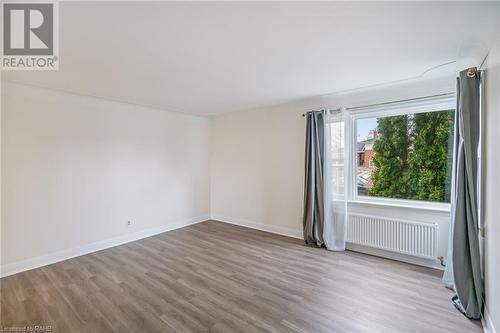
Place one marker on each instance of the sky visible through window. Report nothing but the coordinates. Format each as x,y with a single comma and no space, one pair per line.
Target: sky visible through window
365,126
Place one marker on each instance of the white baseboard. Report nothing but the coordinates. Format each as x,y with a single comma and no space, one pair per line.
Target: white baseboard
51,258
487,322
284,231
24,265
296,233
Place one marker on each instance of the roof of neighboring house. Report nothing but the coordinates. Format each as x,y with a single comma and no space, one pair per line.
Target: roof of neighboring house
361,145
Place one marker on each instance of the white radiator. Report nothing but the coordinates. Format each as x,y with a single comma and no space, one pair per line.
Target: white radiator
412,238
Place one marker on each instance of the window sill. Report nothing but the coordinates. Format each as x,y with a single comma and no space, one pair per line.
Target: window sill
427,206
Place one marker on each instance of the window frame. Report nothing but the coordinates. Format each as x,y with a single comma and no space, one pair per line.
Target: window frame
419,105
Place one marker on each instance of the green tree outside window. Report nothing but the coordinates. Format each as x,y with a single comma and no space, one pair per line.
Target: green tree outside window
412,156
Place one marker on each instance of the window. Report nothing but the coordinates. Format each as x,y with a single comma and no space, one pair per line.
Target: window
361,159
402,152
406,156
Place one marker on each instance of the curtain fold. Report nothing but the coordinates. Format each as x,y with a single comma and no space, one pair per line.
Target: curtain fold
463,270
323,223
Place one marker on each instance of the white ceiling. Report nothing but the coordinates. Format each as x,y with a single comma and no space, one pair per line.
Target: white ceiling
210,58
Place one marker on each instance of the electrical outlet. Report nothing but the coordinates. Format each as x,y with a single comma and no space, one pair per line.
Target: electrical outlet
129,223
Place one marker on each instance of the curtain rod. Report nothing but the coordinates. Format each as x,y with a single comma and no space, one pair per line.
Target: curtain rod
391,102
305,113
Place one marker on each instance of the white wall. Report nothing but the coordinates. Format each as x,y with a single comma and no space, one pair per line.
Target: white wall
257,162
75,169
492,189
257,168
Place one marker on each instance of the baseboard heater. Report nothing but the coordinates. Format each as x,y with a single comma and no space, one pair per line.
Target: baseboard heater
395,235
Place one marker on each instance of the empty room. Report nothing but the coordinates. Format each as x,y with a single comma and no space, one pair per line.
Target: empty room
250,167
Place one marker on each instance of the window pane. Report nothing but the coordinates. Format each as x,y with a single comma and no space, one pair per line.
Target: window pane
405,157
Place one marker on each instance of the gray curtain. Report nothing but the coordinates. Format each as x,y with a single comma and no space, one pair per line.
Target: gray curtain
465,254
314,187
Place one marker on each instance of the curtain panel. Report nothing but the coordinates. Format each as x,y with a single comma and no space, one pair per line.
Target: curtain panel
314,186
325,205
463,269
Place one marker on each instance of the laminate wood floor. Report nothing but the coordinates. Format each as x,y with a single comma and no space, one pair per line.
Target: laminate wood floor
215,277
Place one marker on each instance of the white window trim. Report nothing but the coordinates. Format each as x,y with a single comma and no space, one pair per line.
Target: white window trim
428,104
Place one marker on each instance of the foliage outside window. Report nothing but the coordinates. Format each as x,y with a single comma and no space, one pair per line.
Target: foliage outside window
405,156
